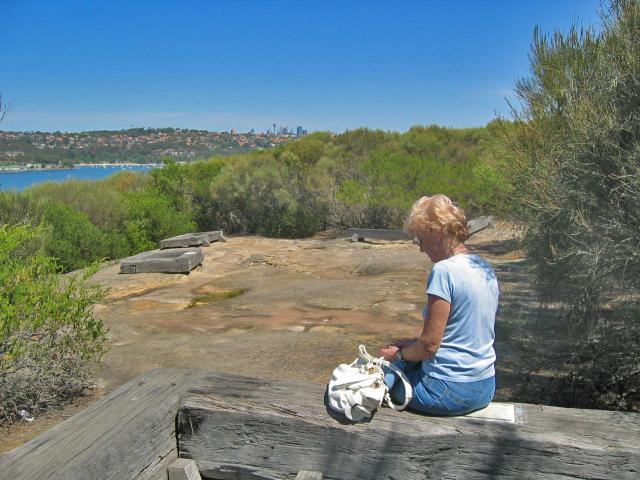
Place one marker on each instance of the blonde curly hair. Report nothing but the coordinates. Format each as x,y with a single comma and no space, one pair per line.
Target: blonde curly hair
438,214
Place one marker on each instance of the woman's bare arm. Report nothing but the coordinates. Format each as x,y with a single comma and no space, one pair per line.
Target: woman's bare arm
428,343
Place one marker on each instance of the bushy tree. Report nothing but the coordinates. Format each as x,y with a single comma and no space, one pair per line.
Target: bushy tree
151,217
259,194
14,208
101,203
188,188
50,342
75,241
377,183
576,150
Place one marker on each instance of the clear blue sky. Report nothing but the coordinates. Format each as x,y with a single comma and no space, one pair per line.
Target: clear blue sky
217,65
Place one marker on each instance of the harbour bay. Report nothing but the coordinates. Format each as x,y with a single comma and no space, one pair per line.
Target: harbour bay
26,178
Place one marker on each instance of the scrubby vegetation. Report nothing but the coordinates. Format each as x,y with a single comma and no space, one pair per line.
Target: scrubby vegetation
575,152
50,341
359,178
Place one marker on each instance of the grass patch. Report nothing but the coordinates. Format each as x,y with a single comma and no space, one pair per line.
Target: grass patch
216,297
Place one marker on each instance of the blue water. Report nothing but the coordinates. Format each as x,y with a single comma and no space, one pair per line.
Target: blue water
22,180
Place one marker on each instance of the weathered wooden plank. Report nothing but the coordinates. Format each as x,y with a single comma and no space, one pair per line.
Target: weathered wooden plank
200,239
244,428
359,234
477,224
163,261
129,434
158,469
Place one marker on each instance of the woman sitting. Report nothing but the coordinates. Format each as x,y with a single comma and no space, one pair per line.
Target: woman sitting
451,365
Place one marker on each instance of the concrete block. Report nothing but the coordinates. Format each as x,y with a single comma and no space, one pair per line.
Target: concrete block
200,239
181,260
184,469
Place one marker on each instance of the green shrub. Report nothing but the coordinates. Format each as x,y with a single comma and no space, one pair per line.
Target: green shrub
576,152
71,238
377,183
187,187
14,208
99,201
128,181
151,217
259,194
50,342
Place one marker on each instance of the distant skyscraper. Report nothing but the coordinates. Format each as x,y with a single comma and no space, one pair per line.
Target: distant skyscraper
274,128
298,131
233,131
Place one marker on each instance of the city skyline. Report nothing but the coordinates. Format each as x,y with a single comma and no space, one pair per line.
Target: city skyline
82,66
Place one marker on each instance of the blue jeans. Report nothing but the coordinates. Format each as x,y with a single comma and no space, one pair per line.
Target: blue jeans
439,397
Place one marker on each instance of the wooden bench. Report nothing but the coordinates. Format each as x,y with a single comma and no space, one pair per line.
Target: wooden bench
245,428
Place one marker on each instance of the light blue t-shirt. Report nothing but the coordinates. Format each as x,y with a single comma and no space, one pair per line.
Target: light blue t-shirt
469,284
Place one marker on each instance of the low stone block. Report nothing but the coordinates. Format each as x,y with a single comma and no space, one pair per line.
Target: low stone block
163,261
200,239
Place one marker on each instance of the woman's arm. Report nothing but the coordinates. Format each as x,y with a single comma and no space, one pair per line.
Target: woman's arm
401,343
432,332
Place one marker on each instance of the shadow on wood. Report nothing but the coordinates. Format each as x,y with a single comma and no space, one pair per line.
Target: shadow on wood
129,434
250,429
246,428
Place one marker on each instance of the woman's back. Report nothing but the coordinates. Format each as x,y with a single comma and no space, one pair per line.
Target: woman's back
466,353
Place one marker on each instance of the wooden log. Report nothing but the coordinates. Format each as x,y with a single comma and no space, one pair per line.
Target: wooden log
359,234
129,434
200,239
243,428
163,261
477,224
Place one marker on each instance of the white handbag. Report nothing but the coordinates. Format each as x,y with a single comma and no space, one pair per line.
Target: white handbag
357,389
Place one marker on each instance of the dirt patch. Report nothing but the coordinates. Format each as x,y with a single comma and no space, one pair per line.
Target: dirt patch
16,434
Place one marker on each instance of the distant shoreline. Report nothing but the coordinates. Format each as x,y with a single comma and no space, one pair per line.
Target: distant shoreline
56,168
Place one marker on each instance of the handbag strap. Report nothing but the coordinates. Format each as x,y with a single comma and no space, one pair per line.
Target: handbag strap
408,389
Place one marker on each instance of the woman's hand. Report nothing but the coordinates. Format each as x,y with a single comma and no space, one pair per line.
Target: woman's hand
389,353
